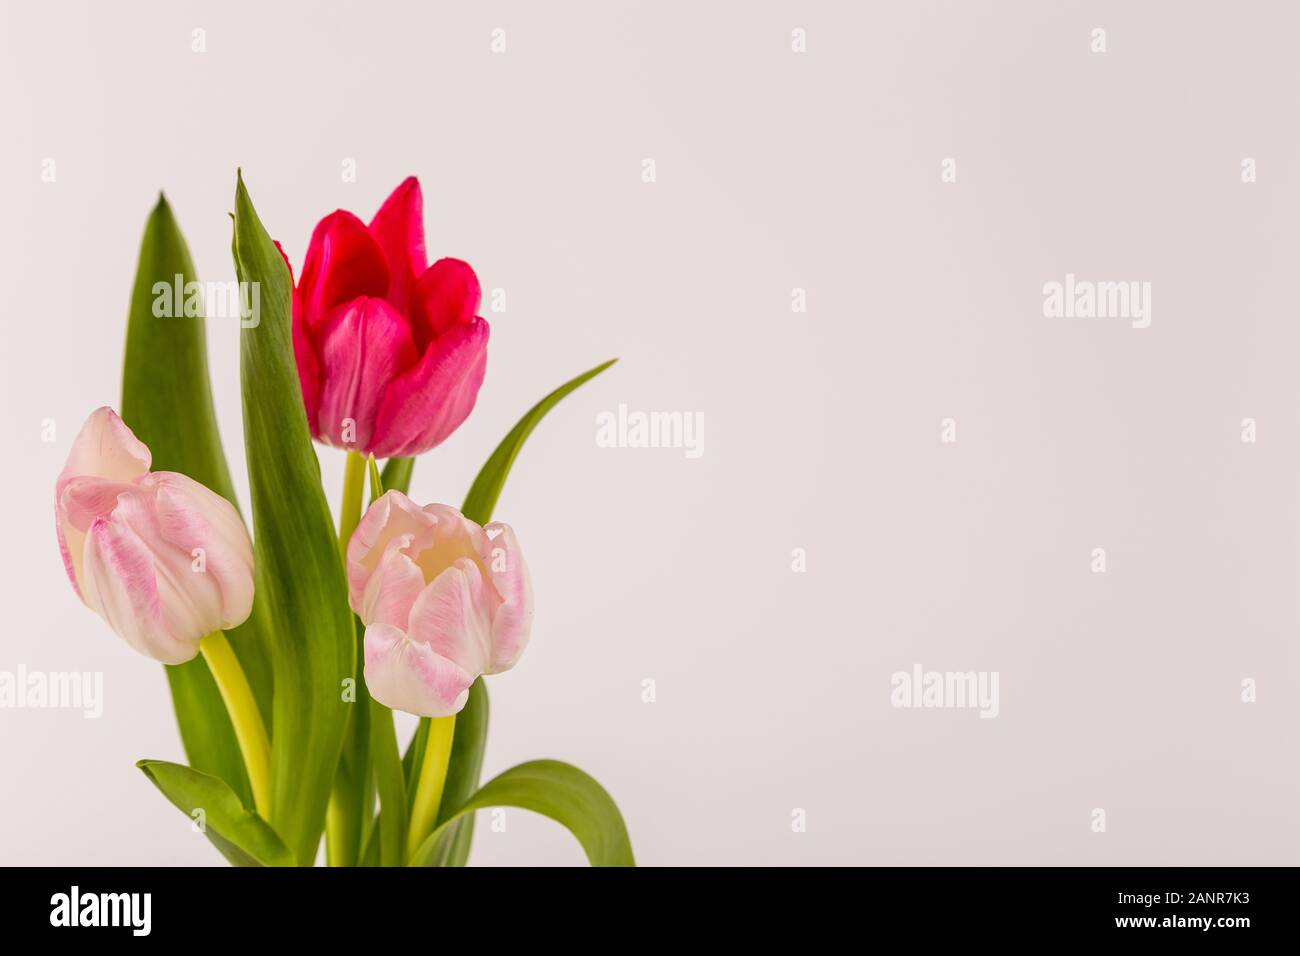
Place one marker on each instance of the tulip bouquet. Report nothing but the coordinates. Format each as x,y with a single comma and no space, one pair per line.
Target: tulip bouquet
288,650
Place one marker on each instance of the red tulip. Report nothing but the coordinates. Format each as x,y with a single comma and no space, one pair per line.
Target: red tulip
390,350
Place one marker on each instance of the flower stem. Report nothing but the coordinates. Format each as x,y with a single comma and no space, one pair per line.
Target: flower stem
342,836
354,480
342,814
433,776
247,719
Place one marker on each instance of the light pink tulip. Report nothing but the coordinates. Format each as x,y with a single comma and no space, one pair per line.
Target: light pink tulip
443,601
162,559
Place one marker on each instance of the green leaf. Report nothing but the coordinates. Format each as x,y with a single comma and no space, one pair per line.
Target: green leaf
414,755
391,785
166,396
557,790
299,575
243,838
463,769
397,474
485,491
167,402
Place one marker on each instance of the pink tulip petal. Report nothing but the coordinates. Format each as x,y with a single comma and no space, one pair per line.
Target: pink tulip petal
508,572
365,344
343,262
190,598
107,448
453,615
88,497
410,676
104,448
392,515
428,402
121,587
398,537
194,518
398,227
448,294
393,589
448,538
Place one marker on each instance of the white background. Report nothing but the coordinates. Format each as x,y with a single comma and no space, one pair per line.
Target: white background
776,170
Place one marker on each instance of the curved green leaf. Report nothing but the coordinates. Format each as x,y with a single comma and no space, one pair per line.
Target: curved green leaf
299,575
557,790
167,401
243,838
485,491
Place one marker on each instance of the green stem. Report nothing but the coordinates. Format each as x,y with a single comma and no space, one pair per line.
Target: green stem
342,815
354,480
342,836
433,776
247,719
391,785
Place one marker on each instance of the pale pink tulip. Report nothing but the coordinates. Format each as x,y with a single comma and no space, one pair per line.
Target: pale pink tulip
443,601
162,559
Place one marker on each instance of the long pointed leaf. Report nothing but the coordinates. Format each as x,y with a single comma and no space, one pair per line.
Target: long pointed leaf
167,401
485,491
299,575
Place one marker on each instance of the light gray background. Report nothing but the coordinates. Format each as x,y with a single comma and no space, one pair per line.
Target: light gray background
775,170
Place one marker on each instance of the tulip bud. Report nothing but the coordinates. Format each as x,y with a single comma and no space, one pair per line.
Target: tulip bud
443,601
390,351
162,559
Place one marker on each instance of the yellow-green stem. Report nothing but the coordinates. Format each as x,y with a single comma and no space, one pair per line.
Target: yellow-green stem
342,821
247,719
433,776
354,480
342,836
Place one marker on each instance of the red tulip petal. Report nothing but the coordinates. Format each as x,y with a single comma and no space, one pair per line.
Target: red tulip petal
304,353
285,256
425,404
365,345
447,294
398,227
343,262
